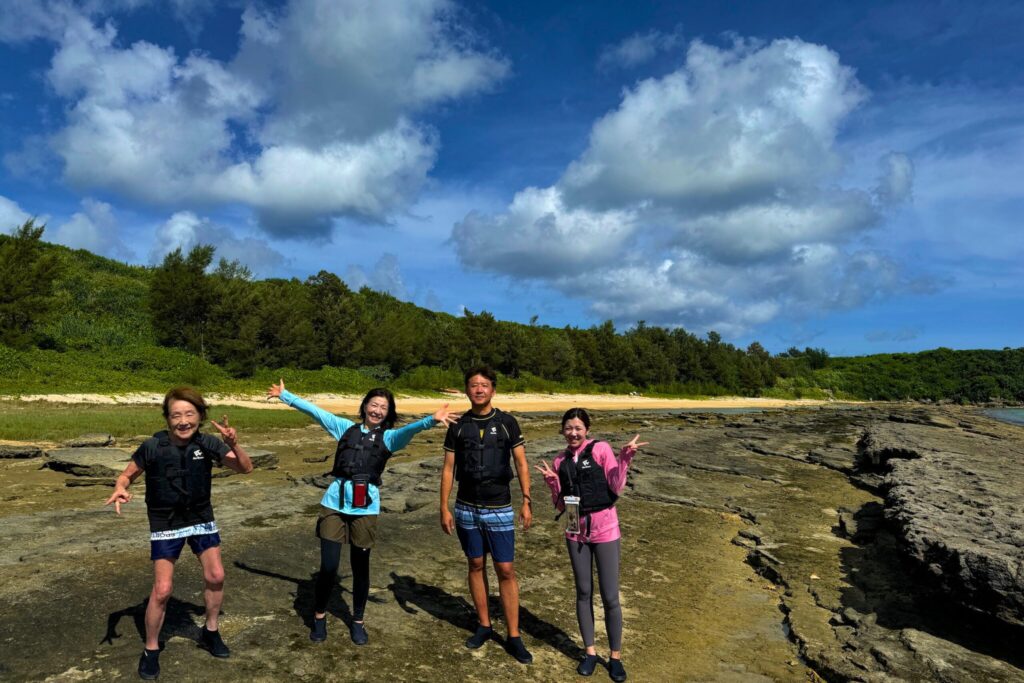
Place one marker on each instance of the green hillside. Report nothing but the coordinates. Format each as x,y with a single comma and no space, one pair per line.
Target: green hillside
72,321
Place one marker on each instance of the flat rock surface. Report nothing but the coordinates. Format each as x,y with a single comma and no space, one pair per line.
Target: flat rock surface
756,546
20,451
90,441
88,462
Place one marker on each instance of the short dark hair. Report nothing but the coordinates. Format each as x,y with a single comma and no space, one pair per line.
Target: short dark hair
580,414
482,370
392,416
185,394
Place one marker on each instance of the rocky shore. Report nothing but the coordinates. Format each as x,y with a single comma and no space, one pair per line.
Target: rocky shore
844,543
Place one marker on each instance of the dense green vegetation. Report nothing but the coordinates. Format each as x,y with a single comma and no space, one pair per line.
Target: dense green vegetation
88,324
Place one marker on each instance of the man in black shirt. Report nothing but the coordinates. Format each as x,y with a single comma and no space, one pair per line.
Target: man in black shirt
177,464
478,452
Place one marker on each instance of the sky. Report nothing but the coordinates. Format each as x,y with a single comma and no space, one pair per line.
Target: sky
837,175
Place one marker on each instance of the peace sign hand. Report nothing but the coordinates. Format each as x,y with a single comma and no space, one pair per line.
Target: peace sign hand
275,390
228,433
634,445
545,469
444,416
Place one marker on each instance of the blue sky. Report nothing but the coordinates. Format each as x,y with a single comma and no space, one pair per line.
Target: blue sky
844,175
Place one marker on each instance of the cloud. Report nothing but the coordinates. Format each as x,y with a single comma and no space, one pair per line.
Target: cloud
637,49
184,230
94,229
12,216
709,198
313,119
386,276
538,235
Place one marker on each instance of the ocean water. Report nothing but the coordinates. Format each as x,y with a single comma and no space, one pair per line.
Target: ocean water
1012,415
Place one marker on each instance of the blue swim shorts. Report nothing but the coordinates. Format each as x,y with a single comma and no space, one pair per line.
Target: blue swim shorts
486,530
170,548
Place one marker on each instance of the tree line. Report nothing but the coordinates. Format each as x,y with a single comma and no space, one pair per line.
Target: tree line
57,299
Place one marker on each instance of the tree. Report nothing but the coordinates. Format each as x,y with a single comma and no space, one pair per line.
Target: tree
180,298
27,276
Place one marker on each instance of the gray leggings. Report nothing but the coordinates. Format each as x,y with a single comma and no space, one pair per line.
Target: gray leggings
582,556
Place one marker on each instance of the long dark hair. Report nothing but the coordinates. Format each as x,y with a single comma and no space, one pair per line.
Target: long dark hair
392,416
580,414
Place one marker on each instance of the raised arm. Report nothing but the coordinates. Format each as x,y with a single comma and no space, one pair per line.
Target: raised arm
550,474
236,459
617,467
397,439
334,425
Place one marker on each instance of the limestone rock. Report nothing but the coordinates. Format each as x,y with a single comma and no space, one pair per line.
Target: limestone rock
88,462
20,452
90,441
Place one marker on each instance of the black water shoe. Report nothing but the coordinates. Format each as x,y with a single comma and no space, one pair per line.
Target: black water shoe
149,665
482,635
516,648
358,633
587,665
318,633
616,671
211,641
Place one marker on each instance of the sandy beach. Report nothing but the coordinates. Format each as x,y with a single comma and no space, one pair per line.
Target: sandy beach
344,403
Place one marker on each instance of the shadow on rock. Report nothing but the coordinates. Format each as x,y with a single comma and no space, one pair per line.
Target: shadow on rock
304,592
179,621
459,613
887,589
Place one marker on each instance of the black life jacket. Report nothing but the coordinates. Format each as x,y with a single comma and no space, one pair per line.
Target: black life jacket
361,454
585,479
178,483
482,458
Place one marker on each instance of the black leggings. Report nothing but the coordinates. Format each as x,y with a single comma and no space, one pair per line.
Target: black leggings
583,557
330,558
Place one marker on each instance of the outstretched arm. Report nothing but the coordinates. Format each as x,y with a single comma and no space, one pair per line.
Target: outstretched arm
334,425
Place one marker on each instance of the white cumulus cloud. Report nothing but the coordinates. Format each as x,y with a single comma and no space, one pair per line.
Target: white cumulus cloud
12,216
313,118
709,198
184,230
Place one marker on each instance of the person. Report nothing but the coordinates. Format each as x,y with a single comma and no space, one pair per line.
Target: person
478,451
590,471
351,505
177,463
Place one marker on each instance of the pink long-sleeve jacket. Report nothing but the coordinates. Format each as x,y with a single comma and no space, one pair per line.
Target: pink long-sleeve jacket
604,524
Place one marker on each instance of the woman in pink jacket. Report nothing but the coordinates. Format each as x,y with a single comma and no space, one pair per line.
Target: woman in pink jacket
591,472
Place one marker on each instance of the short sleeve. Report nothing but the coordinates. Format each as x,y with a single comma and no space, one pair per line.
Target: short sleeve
212,444
139,456
514,433
451,437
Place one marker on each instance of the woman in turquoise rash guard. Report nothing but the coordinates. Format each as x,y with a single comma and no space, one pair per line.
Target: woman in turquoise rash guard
351,504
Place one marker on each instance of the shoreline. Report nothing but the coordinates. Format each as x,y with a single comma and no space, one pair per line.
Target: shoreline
345,403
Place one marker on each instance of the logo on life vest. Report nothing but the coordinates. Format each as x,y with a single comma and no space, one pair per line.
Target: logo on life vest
197,454
585,465
494,430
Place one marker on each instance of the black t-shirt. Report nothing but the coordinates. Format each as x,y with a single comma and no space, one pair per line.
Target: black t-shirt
487,493
148,454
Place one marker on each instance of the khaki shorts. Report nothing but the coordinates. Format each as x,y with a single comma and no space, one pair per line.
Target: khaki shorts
359,530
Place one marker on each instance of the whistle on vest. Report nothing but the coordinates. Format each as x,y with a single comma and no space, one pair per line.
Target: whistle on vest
572,514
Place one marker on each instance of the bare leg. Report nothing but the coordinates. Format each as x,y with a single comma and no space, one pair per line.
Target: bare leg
163,583
213,590
508,588
478,588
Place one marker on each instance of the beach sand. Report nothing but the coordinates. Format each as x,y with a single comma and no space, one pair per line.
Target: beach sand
349,404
